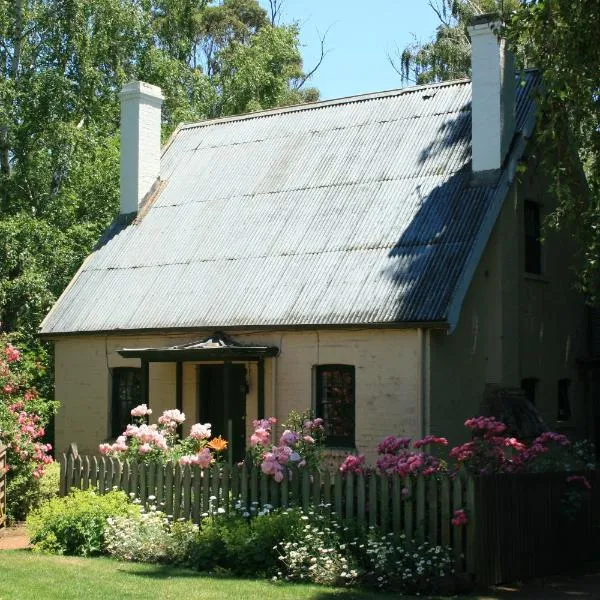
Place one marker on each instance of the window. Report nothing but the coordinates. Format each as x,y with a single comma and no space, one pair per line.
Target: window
126,394
533,244
335,403
564,402
528,385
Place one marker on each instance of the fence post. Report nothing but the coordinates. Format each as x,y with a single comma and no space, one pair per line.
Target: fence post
2,486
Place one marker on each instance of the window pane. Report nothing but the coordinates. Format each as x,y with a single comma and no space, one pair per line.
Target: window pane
127,393
533,248
335,403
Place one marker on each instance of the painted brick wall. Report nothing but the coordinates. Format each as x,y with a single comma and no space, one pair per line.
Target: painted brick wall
386,365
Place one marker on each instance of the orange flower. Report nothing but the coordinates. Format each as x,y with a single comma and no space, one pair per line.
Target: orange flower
217,444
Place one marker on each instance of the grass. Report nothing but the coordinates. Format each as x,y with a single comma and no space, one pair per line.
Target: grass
26,575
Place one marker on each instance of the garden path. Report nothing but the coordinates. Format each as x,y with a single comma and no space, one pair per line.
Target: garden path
14,538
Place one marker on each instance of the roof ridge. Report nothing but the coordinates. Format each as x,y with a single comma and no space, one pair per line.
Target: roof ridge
324,103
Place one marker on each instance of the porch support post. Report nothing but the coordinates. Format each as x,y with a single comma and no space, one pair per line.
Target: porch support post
179,391
145,383
261,388
226,408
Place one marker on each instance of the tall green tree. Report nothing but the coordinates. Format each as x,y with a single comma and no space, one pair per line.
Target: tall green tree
447,55
560,38
62,63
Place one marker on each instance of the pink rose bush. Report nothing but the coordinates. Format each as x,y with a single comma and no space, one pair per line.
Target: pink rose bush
23,418
300,445
160,442
396,456
490,451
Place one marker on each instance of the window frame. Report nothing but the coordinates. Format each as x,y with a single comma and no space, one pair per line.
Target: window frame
346,441
118,422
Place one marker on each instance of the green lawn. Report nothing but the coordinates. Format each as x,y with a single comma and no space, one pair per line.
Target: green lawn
28,576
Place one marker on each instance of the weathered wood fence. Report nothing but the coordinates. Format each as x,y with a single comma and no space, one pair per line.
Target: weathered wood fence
516,527
2,486
421,510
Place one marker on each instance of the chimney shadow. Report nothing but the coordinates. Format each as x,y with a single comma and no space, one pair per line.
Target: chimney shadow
426,261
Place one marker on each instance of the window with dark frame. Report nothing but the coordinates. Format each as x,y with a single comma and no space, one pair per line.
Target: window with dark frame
335,403
126,394
528,385
564,402
533,244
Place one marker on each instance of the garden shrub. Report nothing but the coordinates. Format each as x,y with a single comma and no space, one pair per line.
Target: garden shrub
23,418
76,524
149,537
242,544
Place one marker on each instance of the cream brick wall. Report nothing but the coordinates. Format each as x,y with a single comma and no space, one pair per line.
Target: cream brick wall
387,380
513,326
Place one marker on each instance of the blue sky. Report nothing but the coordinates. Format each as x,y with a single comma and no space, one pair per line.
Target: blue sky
359,36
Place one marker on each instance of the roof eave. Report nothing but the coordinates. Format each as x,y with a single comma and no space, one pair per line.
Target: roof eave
434,324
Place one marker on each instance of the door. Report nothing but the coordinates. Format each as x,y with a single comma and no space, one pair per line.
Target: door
222,403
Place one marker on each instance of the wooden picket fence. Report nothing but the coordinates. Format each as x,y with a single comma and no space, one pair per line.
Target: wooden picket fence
420,510
2,486
516,523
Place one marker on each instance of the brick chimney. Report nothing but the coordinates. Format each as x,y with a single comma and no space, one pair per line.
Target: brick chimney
493,95
140,142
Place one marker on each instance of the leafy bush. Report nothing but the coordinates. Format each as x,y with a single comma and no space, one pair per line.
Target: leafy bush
243,544
394,563
76,524
149,537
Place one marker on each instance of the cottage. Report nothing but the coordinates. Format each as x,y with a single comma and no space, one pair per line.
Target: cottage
375,258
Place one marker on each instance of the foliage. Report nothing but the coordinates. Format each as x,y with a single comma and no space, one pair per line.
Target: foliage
76,524
490,451
23,417
448,55
149,537
559,38
61,67
393,563
332,552
300,445
243,542
160,442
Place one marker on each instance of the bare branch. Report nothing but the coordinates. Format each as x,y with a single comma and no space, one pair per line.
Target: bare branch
275,7
323,53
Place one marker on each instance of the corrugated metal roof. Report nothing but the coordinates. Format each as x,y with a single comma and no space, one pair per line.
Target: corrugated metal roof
356,211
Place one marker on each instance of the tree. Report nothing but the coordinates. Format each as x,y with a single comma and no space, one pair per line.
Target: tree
448,55
560,38
62,63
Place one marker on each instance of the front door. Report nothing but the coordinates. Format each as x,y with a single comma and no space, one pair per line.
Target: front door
222,403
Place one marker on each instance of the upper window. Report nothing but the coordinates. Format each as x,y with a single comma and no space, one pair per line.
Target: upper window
564,402
126,394
335,403
533,244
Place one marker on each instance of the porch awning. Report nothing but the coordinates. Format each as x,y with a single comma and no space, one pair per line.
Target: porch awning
215,347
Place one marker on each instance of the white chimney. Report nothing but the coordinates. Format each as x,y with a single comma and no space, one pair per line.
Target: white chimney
493,95
140,142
